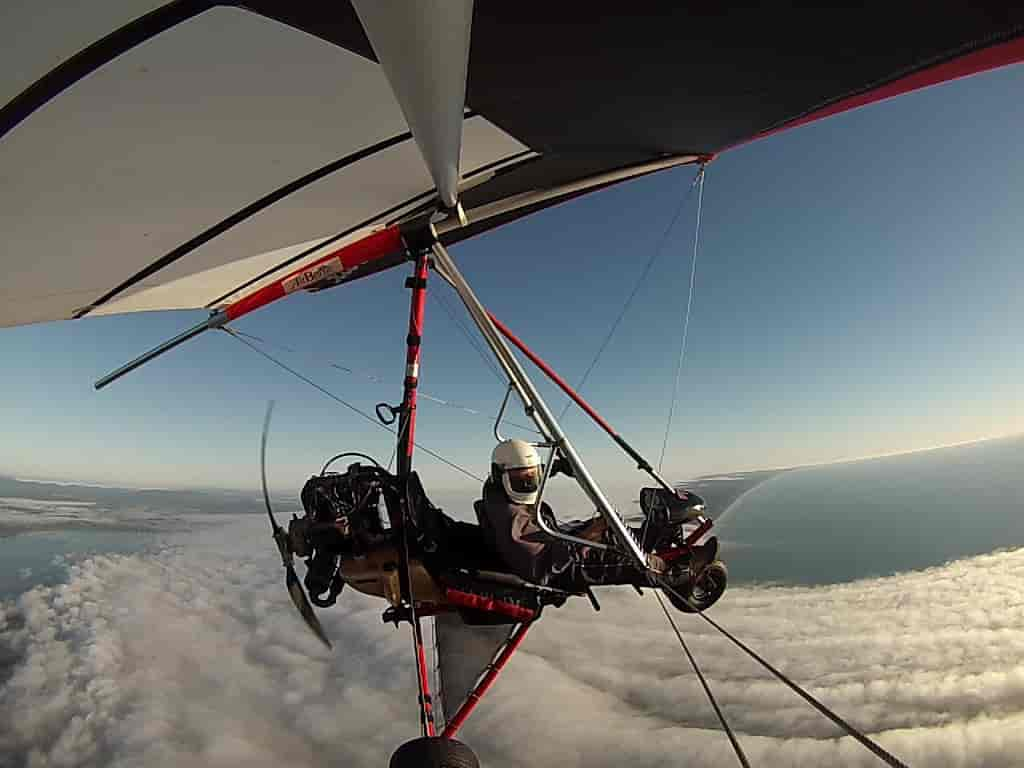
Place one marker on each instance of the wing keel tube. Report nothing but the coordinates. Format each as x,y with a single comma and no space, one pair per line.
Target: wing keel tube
325,272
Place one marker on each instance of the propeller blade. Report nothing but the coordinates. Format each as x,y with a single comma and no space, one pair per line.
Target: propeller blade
263,466
295,590
298,595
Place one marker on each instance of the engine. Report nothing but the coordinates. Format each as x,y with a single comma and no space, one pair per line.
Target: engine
344,517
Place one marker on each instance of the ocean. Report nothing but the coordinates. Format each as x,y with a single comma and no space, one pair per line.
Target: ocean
41,558
830,524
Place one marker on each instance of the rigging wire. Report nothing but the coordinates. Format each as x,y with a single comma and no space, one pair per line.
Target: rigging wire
878,750
867,742
636,288
480,350
284,347
337,399
372,377
475,343
707,689
439,298
698,182
686,318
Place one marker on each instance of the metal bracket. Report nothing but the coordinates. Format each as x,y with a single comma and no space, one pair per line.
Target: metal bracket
544,525
418,235
395,614
387,414
501,413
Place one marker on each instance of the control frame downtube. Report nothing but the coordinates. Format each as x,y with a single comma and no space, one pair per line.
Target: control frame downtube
413,341
536,408
405,447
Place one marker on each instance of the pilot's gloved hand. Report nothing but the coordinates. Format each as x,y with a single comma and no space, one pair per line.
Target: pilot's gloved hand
561,464
656,564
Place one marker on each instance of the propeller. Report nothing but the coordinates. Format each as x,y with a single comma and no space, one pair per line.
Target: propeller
295,590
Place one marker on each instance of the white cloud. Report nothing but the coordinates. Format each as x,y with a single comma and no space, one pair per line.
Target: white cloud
195,656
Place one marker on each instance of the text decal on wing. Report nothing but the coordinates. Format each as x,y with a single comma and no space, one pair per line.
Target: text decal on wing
318,276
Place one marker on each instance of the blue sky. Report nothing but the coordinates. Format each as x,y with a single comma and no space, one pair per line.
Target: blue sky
857,292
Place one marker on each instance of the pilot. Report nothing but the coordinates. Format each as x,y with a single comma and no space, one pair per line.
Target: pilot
509,496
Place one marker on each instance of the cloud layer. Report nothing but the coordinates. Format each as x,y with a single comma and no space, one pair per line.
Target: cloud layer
194,656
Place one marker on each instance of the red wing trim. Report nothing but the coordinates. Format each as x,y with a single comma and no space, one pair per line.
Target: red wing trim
993,57
320,273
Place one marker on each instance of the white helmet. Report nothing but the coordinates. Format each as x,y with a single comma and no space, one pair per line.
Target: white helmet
516,465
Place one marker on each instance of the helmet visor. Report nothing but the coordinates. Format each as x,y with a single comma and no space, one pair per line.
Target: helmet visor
524,479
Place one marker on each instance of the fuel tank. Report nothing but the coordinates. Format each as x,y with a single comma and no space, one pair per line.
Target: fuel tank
376,574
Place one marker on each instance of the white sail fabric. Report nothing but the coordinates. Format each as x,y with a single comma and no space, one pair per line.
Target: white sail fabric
175,135
152,170
424,50
197,152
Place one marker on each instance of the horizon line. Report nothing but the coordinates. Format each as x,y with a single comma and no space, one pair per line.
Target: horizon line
783,468
870,457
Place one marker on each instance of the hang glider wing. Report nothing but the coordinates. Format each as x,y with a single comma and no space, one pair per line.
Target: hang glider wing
203,151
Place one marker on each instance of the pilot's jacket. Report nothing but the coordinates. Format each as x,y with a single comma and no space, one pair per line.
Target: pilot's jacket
525,548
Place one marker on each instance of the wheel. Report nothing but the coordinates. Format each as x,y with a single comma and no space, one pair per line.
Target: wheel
705,592
433,752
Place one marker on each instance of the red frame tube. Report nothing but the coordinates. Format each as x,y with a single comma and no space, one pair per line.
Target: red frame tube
426,703
550,373
485,682
407,422
703,528
405,447
668,555
481,603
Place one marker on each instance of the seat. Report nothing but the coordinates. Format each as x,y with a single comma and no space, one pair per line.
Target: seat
426,520
443,541
490,534
462,558
490,539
